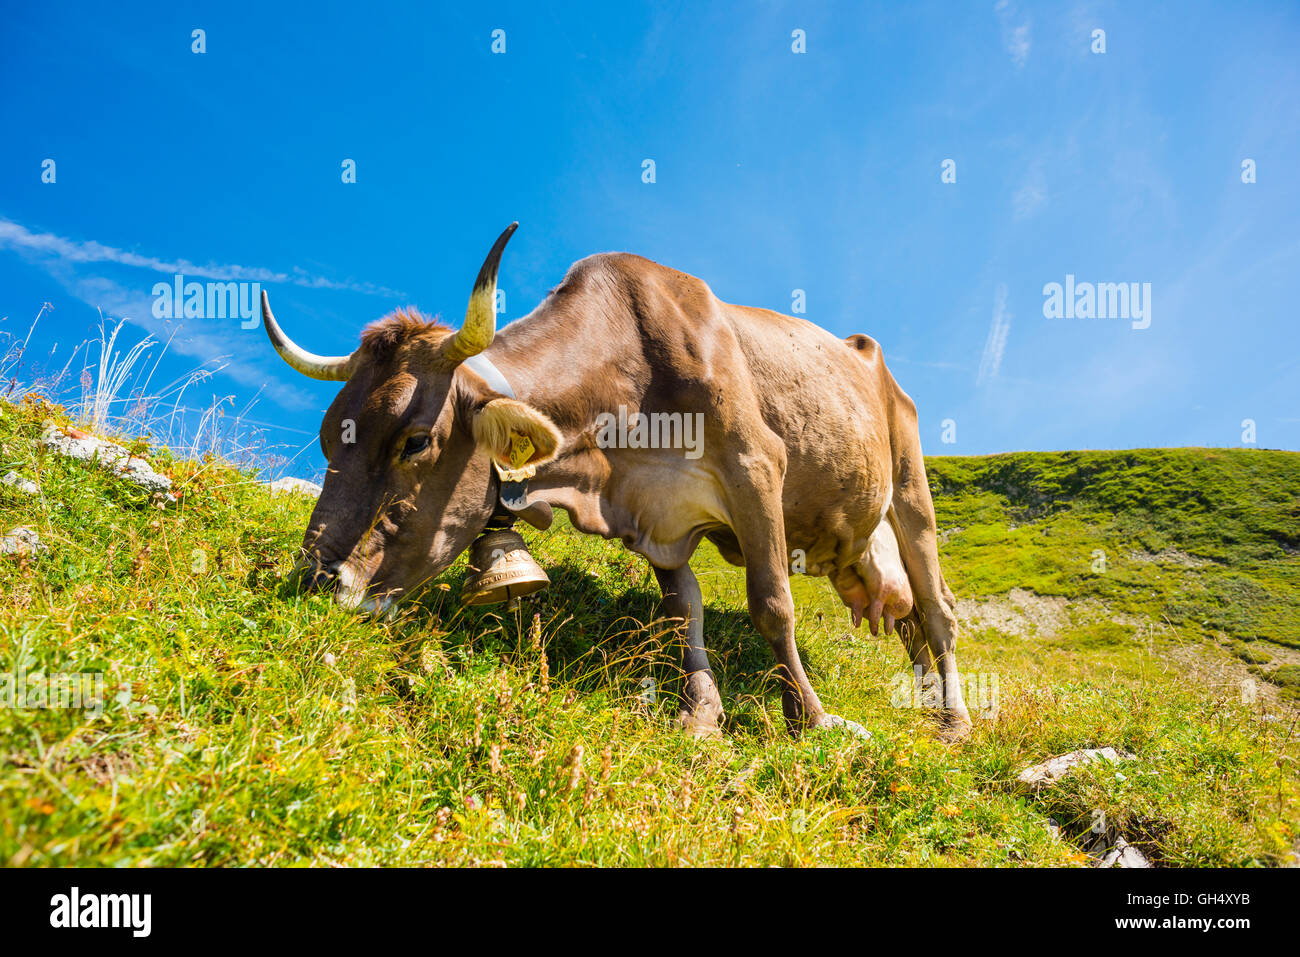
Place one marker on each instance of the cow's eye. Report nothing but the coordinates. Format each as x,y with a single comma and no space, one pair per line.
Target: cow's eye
415,445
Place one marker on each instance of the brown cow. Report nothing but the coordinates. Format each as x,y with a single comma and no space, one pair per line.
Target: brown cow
809,456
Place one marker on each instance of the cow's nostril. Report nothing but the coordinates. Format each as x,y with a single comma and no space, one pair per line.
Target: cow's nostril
318,575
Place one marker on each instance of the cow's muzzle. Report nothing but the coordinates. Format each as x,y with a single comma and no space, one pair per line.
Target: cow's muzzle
315,574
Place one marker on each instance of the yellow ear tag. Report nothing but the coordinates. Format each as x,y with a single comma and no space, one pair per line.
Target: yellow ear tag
521,450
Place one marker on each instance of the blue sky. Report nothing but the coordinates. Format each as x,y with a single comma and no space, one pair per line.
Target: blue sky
775,171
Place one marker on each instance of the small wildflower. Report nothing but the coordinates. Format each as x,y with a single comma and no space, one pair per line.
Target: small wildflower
573,765
440,821
494,759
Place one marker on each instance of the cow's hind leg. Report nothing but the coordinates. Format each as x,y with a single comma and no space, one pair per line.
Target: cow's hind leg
701,705
913,515
913,638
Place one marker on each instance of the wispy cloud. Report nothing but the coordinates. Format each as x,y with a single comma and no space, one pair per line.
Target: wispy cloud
996,343
235,352
1032,195
19,238
240,353
1015,36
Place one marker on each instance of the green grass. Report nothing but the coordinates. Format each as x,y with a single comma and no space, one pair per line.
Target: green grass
248,724
1232,514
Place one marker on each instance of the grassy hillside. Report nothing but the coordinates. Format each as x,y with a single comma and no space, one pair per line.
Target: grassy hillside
1207,539
247,724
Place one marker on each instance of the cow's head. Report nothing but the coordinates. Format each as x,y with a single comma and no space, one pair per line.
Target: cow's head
408,441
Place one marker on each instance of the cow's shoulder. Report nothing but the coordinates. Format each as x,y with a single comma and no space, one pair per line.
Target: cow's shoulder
631,269
652,294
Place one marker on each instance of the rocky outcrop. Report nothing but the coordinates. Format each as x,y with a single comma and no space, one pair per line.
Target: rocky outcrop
1053,769
75,444
1105,845
287,485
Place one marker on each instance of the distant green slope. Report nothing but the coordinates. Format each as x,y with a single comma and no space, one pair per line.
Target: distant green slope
1205,538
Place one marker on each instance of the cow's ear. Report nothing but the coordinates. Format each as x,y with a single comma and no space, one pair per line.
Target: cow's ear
515,434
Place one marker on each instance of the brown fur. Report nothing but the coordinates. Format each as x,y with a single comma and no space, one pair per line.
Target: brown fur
383,338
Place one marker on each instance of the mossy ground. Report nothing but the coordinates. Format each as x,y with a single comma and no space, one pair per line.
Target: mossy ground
249,724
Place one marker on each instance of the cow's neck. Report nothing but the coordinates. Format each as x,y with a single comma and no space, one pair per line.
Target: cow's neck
520,354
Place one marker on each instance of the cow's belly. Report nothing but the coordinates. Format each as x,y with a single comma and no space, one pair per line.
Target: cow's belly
660,504
833,505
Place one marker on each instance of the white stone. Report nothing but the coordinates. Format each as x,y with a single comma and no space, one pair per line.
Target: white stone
22,540
111,456
26,486
288,484
1053,769
1123,854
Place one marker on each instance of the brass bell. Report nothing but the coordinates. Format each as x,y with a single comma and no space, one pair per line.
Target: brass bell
500,569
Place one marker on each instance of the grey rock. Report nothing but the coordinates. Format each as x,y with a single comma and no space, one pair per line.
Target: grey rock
22,540
26,486
1053,769
110,456
1121,854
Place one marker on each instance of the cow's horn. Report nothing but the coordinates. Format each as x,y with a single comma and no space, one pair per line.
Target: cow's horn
481,316
330,368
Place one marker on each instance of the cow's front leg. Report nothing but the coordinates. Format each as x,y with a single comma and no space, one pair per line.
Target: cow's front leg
701,712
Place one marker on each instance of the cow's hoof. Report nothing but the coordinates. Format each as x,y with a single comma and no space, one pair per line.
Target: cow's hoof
698,726
835,721
954,727
701,713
